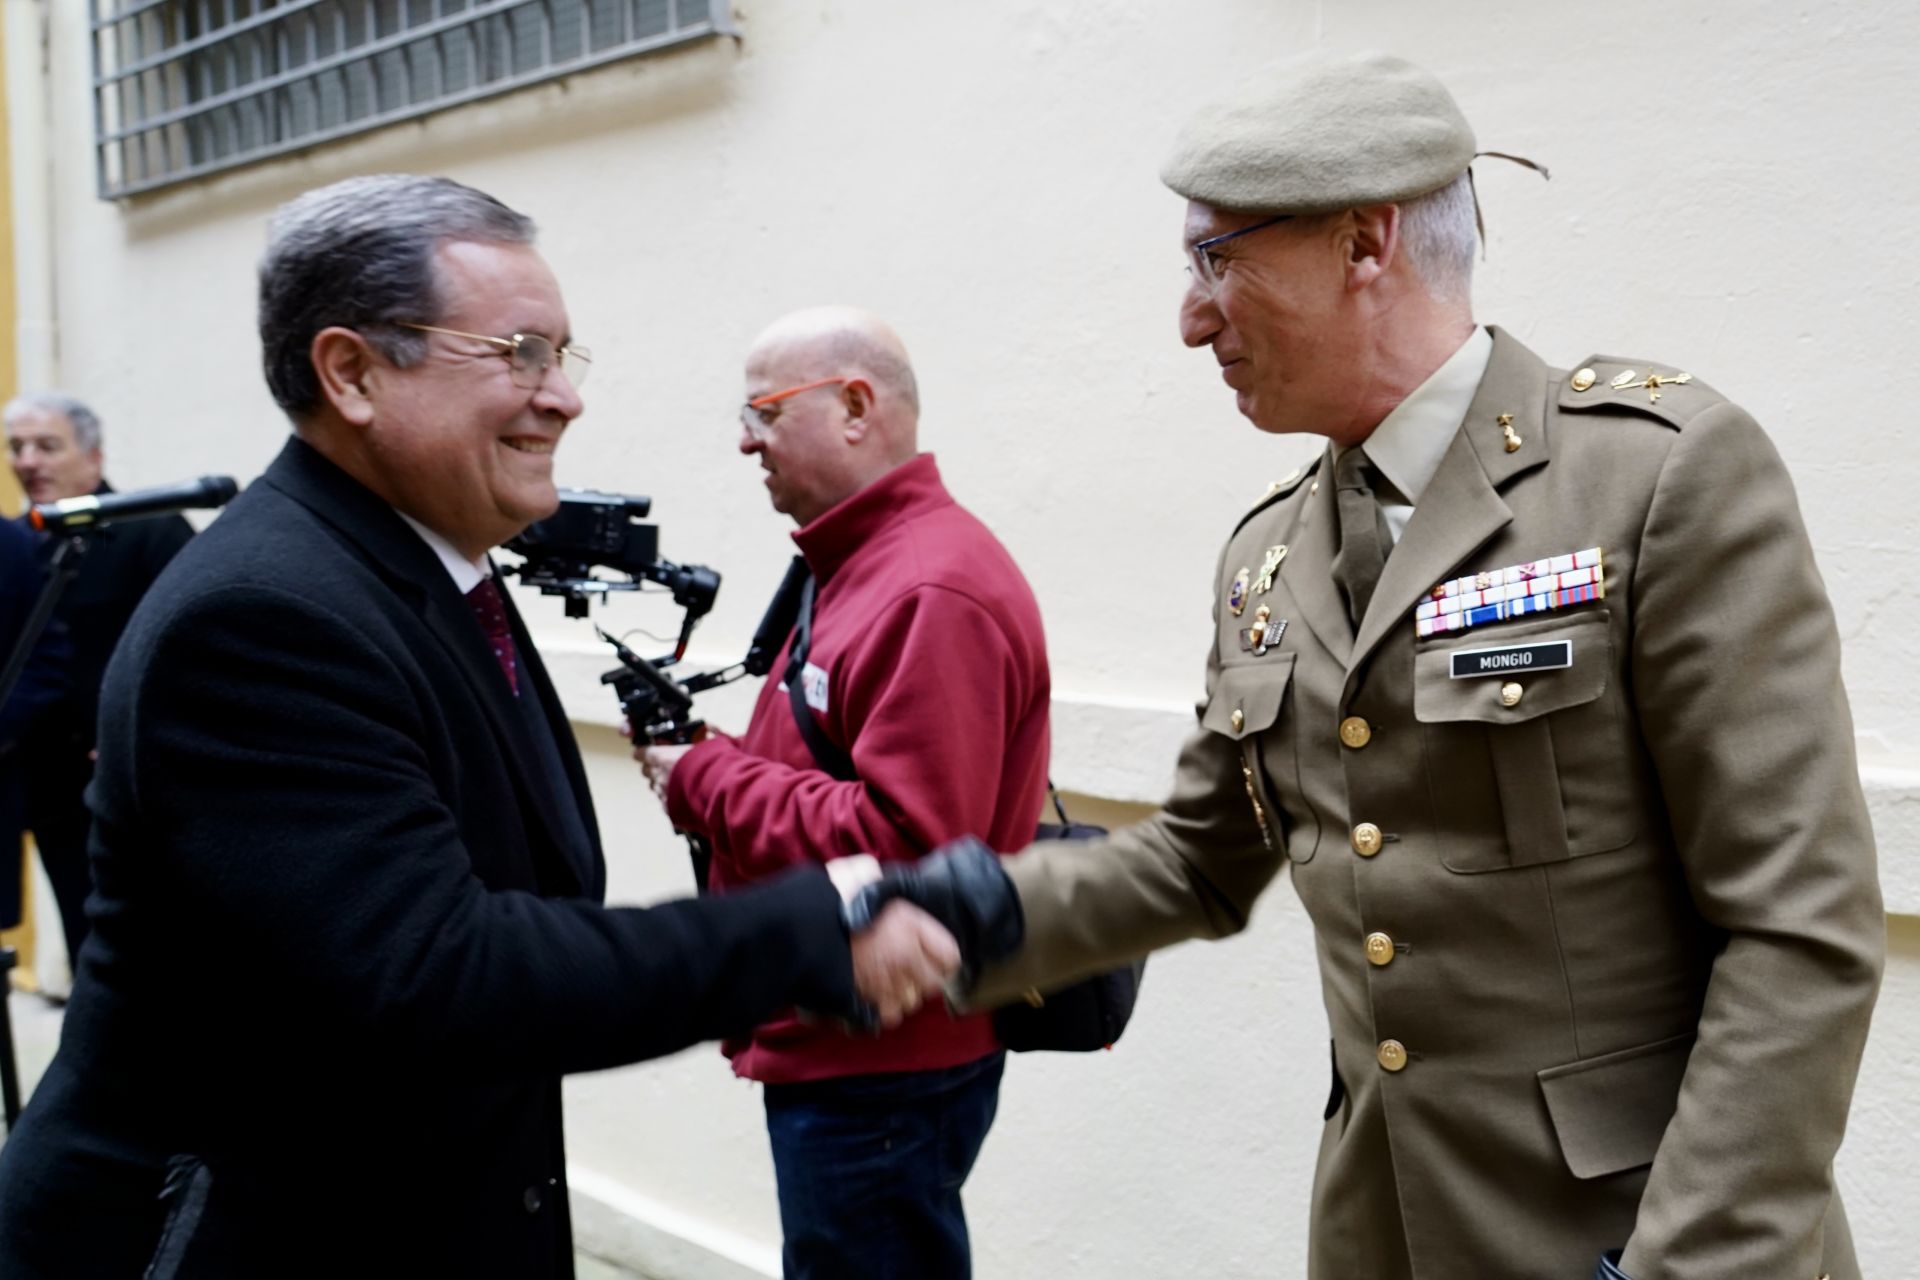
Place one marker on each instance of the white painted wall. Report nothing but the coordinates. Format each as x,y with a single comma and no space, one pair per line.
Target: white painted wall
1732,193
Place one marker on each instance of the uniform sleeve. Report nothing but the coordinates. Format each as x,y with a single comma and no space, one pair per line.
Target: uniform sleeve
280,789
925,704
1736,680
1193,870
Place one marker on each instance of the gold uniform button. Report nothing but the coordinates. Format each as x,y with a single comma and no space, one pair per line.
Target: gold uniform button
1392,1055
1584,379
1510,694
1239,720
1379,949
1355,732
1366,839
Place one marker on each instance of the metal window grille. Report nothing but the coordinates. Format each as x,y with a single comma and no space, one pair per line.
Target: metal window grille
184,88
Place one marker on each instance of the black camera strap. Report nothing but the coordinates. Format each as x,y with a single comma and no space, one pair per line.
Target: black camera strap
827,753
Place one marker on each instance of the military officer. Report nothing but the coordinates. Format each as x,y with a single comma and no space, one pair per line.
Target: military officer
1532,682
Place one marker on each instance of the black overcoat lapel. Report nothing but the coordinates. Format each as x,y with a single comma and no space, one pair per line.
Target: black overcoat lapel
384,542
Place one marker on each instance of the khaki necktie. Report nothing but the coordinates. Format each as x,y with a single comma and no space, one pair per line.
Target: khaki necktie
1363,532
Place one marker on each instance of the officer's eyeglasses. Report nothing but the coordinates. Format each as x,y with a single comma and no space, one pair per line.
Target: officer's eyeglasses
754,415
528,355
1206,269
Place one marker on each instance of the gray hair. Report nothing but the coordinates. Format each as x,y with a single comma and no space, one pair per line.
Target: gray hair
86,423
1438,233
359,254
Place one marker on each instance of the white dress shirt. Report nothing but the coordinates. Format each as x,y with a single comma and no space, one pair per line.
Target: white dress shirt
466,574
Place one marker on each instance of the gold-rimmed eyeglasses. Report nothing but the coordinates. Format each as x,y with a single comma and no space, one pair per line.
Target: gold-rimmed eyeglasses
528,354
759,423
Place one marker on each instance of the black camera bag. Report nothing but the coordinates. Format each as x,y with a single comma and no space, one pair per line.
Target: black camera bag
1091,1013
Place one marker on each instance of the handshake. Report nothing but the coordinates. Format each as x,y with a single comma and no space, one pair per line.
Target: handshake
929,926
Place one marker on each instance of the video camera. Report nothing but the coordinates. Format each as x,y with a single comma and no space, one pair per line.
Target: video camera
607,530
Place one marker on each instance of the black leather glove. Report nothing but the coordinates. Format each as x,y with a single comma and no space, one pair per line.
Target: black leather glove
962,885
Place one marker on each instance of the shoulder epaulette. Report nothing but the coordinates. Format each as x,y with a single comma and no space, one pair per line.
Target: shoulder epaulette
1657,390
1279,489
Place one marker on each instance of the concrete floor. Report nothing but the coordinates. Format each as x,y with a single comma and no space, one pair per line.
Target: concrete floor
36,1034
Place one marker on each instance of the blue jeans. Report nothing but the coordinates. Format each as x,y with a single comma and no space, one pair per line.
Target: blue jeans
870,1170
1609,1267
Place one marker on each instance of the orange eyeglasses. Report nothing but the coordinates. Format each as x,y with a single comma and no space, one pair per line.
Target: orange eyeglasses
758,422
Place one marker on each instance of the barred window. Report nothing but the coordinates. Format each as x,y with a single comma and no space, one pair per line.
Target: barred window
184,88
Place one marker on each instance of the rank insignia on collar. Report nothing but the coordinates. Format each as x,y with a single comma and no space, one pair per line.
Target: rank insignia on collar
1515,591
1237,593
1268,567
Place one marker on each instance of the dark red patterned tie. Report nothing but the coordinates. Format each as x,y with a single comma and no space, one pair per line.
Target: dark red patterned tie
490,611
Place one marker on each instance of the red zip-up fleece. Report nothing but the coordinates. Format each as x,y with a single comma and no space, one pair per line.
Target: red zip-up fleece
936,684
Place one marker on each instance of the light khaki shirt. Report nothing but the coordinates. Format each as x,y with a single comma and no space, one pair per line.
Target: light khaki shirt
1409,442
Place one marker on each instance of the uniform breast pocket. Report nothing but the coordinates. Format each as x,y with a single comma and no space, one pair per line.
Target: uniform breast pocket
1249,705
1528,752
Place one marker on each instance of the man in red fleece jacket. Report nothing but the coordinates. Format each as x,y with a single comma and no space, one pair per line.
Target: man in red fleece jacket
928,667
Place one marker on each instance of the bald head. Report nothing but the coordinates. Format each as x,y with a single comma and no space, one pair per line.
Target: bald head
844,407
846,341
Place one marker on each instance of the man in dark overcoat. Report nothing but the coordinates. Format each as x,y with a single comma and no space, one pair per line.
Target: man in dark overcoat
41,681
334,773
58,450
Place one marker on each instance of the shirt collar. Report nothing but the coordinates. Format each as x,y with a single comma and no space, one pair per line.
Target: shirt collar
466,574
1409,442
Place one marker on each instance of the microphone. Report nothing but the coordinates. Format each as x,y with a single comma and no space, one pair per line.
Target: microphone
81,515
777,623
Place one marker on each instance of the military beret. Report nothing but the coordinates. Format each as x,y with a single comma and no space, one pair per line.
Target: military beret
1322,132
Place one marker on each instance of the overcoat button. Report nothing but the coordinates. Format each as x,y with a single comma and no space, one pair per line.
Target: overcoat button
1355,732
1510,693
532,1199
1392,1055
1366,840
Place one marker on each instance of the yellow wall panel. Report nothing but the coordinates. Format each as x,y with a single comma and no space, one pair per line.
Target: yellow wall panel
9,309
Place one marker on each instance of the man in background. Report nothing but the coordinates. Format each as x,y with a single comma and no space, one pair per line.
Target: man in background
55,445
335,773
39,686
925,697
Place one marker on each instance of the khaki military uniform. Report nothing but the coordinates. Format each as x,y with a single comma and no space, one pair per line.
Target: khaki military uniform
1599,932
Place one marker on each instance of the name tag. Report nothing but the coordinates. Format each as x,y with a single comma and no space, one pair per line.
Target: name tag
1553,655
813,683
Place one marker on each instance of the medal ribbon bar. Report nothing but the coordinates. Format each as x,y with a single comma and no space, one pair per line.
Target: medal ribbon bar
1512,592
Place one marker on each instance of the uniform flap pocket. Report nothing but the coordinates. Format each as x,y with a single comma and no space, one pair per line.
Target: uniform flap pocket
1610,1112
1511,672
1247,698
